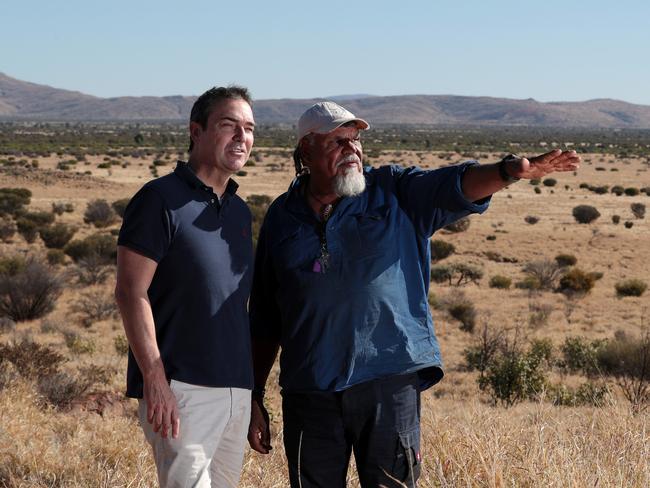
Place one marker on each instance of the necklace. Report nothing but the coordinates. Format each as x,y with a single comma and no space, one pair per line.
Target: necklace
327,207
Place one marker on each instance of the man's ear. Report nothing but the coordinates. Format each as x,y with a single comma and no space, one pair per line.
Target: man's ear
304,151
195,131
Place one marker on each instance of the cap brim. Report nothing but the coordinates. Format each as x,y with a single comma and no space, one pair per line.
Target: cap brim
335,124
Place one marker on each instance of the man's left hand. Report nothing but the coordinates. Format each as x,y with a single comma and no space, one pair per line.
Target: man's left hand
540,166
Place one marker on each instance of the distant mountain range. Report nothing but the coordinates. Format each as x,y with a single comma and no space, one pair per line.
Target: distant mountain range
21,100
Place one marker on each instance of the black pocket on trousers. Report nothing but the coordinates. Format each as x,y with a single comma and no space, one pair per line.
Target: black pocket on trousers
407,465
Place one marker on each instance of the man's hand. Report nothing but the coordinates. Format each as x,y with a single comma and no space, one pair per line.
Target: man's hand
162,408
540,166
259,432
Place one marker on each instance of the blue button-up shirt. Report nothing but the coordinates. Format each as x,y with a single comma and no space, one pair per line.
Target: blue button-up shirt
367,315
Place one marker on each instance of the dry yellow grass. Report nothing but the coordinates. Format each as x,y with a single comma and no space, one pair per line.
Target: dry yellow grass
466,441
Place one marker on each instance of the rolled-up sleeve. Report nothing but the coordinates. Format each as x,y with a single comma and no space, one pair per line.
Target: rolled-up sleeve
434,198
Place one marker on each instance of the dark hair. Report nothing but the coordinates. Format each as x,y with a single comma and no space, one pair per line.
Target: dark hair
204,105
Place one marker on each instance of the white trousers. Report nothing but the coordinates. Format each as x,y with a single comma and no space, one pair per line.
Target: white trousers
209,451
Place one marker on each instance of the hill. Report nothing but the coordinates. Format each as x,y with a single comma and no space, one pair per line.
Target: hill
24,100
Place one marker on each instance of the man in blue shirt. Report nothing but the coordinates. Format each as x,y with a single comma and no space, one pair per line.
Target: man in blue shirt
184,271
341,282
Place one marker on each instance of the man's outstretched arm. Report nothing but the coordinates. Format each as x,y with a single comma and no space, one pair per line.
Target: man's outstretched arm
481,181
134,275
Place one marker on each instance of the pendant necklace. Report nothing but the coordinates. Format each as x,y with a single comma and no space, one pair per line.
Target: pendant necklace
322,262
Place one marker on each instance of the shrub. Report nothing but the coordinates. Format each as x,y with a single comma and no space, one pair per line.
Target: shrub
92,270
14,200
55,257
628,224
461,225
628,359
580,355
99,213
550,182
535,181
121,345
538,190
576,282
7,229
94,306
77,344
529,283
631,192
544,272
501,282
441,249
588,394
531,219
600,190
566,260
630,288
539,314
31,359
441,274
462,309
103,246
119,206
28,292
57,236
514,375
638,209
617,190
616,219
480,356
585,214
258,205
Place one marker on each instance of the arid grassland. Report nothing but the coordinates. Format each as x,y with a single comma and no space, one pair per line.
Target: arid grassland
541,307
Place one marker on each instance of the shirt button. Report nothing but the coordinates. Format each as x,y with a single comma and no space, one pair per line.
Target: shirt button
212,200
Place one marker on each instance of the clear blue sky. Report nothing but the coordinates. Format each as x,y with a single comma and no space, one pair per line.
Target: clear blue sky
548,50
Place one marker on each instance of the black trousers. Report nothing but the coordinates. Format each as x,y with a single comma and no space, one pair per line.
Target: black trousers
379,420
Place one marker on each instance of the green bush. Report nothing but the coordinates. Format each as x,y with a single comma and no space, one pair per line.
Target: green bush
441,250
99,213
576,282
56,236
31,359
566,260
119,206
121,345
544,272
14,200
7,229
55,257
462,309
501,282
628,224
535,181
531,219
616,219
538,190
550,182
630,288
581,355
631,192
638,209
441,274
617,190
103,246
514,376
588,394
28,291
585,214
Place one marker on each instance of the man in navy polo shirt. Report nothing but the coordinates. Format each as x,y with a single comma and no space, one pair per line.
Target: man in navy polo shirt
341,283
184,270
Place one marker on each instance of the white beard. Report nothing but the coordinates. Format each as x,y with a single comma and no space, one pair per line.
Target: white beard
349,183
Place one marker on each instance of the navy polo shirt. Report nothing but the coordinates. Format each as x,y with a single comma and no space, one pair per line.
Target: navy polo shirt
201,286
367,316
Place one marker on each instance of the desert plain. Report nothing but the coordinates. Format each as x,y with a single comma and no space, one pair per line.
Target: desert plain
470,436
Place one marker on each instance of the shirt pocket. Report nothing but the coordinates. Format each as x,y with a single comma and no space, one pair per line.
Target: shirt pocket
374,233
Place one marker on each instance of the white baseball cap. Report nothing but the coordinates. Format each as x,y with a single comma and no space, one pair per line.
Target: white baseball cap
324,117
